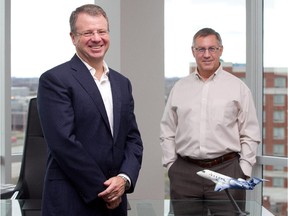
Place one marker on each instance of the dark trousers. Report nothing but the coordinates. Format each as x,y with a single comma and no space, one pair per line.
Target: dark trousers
194,195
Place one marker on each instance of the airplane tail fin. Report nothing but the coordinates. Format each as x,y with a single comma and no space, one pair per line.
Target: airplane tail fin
254,181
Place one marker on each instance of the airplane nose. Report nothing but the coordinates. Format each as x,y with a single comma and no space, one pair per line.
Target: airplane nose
200,173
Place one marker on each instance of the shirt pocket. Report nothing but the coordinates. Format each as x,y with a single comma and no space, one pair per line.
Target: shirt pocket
224,112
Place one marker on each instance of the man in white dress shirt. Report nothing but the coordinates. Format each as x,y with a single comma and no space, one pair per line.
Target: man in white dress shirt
209,122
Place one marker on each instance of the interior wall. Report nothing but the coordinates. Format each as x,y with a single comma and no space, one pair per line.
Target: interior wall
137,40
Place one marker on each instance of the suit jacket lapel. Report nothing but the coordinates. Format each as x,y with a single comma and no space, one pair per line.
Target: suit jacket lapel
82,74
116,95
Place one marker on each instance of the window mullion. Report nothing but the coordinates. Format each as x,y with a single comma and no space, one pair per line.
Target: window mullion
5,91
254,70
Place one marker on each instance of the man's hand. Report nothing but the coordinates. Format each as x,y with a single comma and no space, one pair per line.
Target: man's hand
114,191
113,204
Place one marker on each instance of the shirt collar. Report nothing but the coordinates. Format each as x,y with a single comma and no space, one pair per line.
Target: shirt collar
218,71
93,70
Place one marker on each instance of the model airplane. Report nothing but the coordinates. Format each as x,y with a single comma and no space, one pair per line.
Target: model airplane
225,182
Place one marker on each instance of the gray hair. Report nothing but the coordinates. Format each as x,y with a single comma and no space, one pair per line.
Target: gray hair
90,9
206,32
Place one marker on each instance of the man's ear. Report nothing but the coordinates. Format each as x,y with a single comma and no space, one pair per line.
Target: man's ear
193,52
73,38
221,50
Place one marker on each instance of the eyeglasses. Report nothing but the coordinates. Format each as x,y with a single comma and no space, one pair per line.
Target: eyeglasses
92,33
202,50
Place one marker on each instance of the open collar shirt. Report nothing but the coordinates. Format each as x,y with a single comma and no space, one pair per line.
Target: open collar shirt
105,90
207,119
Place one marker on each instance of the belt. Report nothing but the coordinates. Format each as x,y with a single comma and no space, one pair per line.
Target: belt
208,163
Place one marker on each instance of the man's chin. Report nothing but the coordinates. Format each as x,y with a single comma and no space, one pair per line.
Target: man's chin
97,55
208,67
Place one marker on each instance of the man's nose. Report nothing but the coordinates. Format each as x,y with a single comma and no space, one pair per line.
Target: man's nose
95,36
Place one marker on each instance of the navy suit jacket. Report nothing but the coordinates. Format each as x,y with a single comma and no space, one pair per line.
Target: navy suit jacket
82,151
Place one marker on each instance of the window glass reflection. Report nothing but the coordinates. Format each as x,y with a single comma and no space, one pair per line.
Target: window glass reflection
275,107
31,56
275,190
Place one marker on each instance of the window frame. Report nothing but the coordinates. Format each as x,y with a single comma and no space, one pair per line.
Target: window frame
5,91
254,62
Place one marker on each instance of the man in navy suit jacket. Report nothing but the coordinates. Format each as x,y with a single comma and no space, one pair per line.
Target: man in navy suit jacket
87,115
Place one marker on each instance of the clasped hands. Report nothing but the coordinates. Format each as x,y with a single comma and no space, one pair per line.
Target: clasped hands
114,191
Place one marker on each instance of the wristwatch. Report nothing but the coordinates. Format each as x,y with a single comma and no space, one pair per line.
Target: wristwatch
127,183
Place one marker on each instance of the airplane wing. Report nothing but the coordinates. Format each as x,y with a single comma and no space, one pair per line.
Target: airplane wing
221,186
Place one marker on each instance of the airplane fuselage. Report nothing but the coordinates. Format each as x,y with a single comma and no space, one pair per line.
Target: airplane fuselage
224,182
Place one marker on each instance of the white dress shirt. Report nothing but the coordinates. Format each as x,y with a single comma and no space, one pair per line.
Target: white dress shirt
105,90
207,119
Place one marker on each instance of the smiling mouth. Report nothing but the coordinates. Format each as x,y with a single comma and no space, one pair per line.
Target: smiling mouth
207,62
96,47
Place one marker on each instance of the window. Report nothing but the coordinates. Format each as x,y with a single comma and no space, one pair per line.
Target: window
275,106
279,100
278,182
38,58
279,116
278,149
182,21
278,133
278,168
280,82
